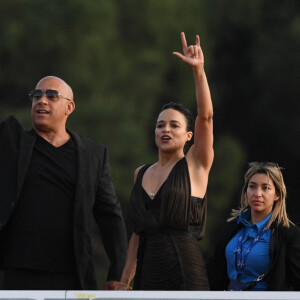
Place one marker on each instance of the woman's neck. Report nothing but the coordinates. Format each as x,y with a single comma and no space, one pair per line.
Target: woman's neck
164,160
258,217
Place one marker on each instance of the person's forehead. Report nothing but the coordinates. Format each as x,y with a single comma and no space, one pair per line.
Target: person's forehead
170,114
261,178
50,83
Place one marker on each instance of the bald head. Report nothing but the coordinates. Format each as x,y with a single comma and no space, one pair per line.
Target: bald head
53,82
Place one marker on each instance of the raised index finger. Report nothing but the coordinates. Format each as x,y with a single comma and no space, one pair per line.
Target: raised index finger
183,40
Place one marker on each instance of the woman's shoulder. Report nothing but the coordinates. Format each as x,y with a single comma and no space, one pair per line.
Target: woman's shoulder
294,230
141,168
291,234
138,169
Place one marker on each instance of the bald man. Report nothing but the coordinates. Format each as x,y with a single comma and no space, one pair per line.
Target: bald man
52,183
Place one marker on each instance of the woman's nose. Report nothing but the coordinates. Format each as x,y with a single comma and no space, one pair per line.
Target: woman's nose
258,192
166,128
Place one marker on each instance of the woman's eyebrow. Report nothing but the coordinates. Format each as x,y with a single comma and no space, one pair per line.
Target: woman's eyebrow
173,121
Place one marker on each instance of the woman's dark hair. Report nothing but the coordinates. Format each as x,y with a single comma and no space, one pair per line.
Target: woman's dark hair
188,116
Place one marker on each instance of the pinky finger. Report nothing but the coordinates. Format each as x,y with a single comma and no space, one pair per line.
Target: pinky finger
197,40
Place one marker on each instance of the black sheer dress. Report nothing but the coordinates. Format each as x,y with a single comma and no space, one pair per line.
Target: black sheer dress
169,226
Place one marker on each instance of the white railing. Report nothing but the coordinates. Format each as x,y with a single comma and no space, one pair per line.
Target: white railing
157,295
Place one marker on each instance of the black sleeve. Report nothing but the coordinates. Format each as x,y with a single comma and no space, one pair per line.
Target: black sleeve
108,215
293,256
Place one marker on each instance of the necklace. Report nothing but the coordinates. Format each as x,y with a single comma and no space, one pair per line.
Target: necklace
152,194
159,177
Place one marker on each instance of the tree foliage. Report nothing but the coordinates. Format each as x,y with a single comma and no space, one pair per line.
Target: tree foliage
117,57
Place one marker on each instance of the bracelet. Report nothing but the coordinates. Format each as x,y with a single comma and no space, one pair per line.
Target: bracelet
126,285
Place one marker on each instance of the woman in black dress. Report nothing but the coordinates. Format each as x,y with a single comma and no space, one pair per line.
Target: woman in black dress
169,196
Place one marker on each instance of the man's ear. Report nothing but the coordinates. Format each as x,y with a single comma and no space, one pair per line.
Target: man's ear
70,107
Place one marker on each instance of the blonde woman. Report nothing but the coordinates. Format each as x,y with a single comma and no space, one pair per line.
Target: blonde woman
261,250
